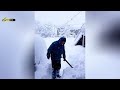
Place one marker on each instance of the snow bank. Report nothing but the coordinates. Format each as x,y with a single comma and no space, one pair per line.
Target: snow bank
77,60
41,61
40,50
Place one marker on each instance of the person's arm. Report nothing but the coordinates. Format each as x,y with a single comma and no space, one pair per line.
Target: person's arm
49,50
64,55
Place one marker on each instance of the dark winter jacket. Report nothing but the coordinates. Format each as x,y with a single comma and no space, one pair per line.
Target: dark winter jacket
56,50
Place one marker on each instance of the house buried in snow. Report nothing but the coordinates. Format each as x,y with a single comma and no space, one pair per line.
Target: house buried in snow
80,39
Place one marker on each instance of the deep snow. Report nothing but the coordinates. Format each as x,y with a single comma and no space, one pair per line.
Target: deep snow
74,54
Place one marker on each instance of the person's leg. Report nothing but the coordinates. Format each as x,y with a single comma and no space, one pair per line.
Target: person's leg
53,69
53,74
58,69
57,73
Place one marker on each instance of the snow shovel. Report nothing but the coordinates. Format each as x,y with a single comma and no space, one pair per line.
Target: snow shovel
68,63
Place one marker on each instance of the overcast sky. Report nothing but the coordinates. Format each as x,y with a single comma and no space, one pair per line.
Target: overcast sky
60,17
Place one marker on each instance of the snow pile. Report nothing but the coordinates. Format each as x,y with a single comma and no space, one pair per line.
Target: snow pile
43,71
77,60
41,63
40,50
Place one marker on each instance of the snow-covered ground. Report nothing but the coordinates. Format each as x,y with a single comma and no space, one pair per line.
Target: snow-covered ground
74,54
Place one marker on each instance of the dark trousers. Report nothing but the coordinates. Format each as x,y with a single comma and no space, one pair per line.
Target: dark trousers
56,65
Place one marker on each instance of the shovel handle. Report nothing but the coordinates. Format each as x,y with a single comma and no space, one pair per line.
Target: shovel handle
68,63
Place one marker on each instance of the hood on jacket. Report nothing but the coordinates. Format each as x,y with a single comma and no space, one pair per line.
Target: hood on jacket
62,39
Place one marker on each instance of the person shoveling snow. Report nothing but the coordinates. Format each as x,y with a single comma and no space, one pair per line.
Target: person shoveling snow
55,51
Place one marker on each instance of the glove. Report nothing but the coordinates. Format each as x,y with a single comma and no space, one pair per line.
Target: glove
64,59
48,56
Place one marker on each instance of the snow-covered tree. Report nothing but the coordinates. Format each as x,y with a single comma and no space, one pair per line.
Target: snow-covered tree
45,30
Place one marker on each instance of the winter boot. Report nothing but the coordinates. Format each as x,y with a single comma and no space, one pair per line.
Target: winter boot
57,72
53,77
54,74
58,76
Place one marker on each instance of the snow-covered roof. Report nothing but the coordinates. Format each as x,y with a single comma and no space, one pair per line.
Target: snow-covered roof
80,33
